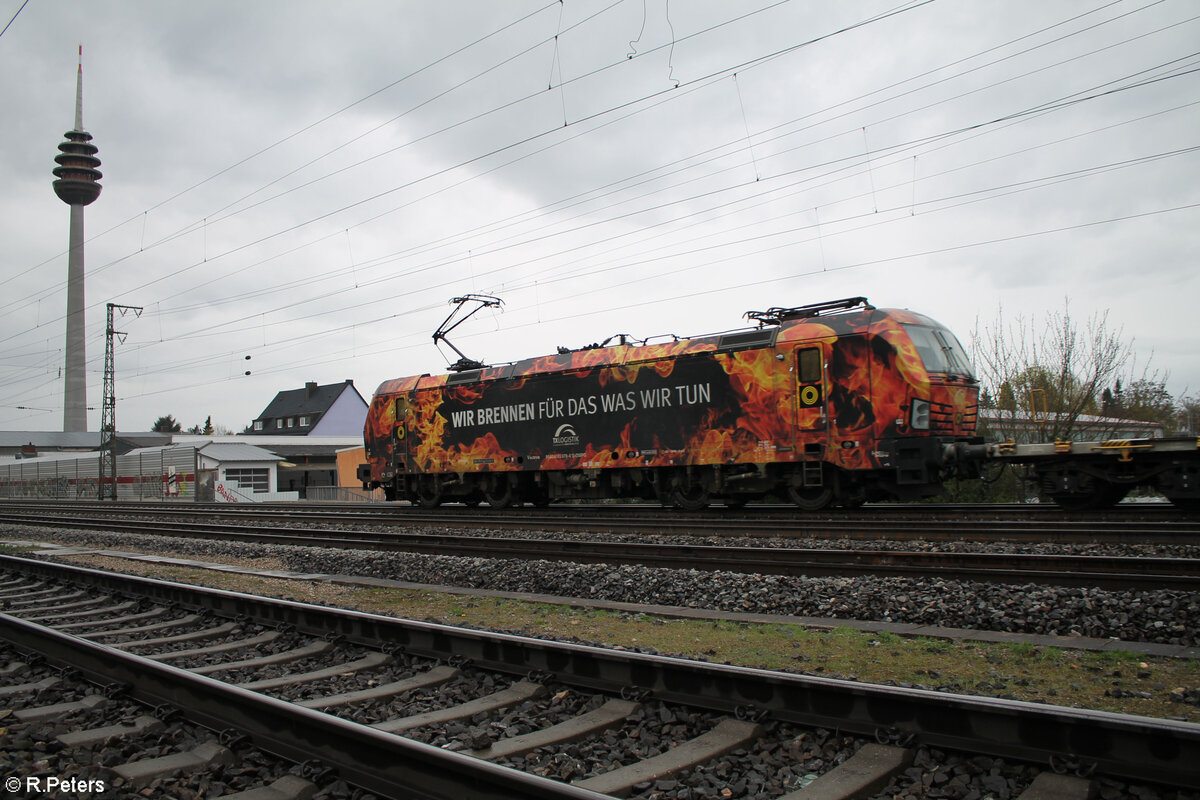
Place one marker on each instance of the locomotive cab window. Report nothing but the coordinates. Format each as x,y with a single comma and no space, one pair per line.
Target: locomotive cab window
940,350
808,365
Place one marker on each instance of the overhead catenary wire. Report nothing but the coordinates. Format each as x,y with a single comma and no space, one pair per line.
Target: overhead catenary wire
16,14
96,270
900,149
200,222
936,204
304,129
256,242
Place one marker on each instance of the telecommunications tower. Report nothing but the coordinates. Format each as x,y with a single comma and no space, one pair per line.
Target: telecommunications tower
77,186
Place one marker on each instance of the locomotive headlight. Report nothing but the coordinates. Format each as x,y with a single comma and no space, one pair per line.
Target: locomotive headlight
920,415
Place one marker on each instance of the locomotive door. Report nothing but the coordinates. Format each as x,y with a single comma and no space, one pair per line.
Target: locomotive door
834,415
400,433
811,391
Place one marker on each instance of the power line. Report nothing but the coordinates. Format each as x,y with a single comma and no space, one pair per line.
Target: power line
304,129
757,61
14,18
895,150
935,204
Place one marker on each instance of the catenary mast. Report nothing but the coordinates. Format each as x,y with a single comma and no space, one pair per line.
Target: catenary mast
76,185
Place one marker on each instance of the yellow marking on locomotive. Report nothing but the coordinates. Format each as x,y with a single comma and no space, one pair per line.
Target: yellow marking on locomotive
810,395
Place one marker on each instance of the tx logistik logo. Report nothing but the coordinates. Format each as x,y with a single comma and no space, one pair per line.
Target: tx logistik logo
565,436
51,783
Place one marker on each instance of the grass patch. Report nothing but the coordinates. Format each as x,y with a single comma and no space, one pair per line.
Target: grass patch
1017,670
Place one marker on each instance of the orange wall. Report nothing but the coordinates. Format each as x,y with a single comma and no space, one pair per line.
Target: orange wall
347,466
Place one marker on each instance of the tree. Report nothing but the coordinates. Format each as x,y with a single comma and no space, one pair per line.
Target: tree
1056,367
202,430
1112,401
1188,415
1147,399
166,424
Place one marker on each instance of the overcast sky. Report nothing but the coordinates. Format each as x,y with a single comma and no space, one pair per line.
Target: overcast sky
308,183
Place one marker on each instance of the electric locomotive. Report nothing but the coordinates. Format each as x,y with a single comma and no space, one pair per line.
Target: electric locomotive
833,403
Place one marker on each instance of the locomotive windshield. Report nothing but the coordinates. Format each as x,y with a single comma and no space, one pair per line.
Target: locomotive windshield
940,350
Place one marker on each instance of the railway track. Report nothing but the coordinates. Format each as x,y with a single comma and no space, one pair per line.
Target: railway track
65,736
1109,572
409,709
1140,524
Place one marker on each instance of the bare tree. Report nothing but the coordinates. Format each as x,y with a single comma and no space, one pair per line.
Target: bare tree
1188,421
1049,371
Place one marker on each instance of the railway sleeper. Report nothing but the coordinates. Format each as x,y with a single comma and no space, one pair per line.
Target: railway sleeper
861,775
728,735
141,773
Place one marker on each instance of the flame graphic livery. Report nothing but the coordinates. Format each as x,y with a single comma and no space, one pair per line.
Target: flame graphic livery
689,402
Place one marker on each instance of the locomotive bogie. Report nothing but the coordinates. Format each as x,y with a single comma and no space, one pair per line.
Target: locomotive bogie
817,409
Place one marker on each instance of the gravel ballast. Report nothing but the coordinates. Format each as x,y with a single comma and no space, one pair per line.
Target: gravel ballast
1162,616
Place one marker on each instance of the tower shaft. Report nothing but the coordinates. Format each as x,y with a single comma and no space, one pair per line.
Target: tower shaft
75,368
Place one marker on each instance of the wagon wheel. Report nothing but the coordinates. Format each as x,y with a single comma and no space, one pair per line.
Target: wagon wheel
810,498
689,498
1101,495
1190,505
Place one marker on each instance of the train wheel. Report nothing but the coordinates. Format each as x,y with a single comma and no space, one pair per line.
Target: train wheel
691,498
429,494
501,497
810,498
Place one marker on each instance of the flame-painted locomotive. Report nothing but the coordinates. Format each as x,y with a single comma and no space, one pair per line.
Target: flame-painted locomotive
831,403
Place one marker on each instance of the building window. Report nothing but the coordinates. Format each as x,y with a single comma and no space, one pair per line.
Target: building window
254,479
291,422
304,422
258,424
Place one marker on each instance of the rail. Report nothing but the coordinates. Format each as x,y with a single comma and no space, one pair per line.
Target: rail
1140,748
1111,572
